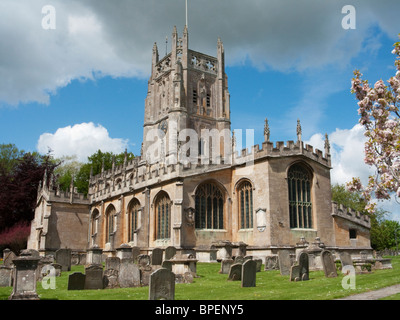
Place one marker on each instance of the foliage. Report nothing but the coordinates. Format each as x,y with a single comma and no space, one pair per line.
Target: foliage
379,114
382,230
14,238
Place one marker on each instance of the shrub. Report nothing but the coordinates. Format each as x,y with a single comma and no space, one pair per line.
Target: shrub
15,238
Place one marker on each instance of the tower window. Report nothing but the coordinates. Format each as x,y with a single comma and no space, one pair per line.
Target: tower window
353,234
195,96
300,206
208,100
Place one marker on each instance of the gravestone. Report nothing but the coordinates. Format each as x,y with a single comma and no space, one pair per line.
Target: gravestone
63,257
76,281
24,285
5,277
226,265
170,252
129,274
295,273
167,265
304,266
284,262
259,264
124,251
143,260
94,256
8,257
328,264
271,263
113,263
94,277
239,259
162,285
135,253
345,258
157,257
235,272
110,278
249,272
145,273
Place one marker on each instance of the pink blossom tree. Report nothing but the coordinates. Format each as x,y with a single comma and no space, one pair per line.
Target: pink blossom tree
380,116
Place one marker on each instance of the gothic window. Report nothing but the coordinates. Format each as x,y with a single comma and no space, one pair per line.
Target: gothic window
110,222
208,100
95,221
209,207
300,205
245,194
133,219
163,217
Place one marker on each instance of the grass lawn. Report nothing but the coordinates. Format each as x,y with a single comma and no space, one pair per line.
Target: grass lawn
214,286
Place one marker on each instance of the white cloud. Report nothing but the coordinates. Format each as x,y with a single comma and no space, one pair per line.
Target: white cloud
115,38
81,140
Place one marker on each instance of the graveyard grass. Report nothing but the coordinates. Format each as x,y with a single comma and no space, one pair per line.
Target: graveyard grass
210,285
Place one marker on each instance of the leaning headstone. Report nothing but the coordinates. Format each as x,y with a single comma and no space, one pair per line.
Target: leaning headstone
129,274
328,264
170,252
346,259
235,272
5,277
295,273
94,277
24,286
63,257
162,285
225,266
8,257
304,266
249,271
284,262
76,281
156,257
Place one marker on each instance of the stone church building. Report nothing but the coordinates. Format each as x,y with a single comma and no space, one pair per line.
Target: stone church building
194,186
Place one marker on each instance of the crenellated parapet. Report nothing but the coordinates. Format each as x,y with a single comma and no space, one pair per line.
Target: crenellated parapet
339,210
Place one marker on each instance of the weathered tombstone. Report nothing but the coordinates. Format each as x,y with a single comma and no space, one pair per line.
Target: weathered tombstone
249,273
235,272
8,257
345,258
76,281
124,251
239,259
5,277
75,258
328,264
284,262
304,266
162,285
129,274
295,273
271,263
226,265
24,286
94,277
143,260
110,278
170,252
63,257
156,257
94,256
135,253
145,273
259,264
112,263
167,265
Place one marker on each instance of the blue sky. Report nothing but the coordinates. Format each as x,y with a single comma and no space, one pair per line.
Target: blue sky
86,80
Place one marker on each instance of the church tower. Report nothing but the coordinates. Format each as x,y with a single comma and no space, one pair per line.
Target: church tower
186,90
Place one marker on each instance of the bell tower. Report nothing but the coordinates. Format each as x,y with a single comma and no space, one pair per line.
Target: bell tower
186,90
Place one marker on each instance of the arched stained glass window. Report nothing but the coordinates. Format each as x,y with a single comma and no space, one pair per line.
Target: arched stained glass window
110,222
300,206
133,218
209,206
163,217
245,194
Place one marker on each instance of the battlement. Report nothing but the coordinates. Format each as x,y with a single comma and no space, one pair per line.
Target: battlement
340,210
138,173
